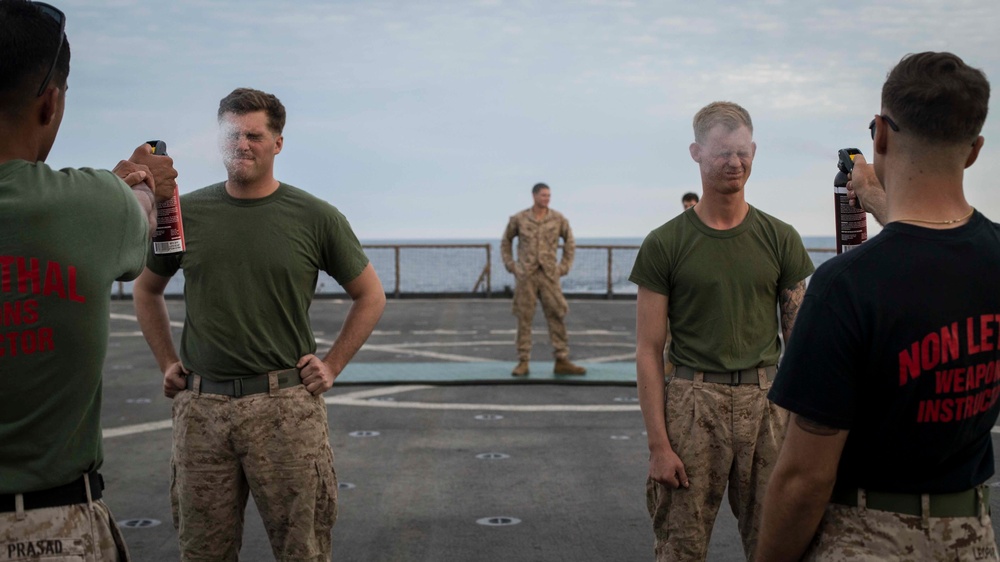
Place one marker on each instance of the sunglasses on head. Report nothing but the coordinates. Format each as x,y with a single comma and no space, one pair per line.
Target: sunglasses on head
892,125
60,18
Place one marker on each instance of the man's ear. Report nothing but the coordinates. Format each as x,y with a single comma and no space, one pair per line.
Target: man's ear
695,150
47,105
881,142
278,143
976,147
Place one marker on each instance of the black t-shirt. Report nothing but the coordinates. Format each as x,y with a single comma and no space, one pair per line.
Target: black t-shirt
898,341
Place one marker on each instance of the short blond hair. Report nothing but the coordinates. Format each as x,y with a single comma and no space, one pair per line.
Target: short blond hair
727,113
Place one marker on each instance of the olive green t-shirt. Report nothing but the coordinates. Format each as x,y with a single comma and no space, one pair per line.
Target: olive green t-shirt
65,237
722,287
250,273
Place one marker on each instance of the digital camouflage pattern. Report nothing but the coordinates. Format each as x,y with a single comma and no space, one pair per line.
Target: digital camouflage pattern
724,435
537,273
869,535
275,446
80,532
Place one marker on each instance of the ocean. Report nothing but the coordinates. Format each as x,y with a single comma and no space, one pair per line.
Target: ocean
458,267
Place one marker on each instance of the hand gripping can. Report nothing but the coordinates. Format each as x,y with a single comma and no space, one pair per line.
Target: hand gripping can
169,237
852,222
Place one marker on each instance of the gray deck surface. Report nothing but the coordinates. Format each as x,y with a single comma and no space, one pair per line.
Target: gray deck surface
434,384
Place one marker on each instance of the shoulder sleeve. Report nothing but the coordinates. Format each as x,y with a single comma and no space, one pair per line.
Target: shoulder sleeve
652,266
133,237
818,375
342,255
796,264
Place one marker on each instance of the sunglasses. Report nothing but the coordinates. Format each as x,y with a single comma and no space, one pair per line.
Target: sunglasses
892,125
60,18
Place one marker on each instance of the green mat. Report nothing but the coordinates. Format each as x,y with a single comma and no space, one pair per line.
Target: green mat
486,372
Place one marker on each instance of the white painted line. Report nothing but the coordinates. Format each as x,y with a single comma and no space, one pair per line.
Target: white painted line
610,358
338,401
440,332
372,393
572,332
115,316
386,332
125,334
398,349
360,398
138,428
434,355
449,344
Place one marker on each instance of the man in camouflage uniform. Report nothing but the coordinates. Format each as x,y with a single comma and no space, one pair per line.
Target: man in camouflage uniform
538,230
724,267
892,372
248,412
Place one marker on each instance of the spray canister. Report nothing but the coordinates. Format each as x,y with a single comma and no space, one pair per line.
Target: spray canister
169,237
852,222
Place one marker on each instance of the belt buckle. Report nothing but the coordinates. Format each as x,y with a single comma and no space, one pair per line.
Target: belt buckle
735,378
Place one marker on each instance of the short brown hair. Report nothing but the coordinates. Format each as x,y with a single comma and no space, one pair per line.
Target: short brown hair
247,100
725,113
937,97
538,187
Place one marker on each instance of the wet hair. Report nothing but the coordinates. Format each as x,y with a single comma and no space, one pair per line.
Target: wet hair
538,187
28,42
690,196
725,113
937,97
247,100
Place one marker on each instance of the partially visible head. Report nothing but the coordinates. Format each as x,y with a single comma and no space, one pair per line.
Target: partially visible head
247,100
937,98
689,200
31,35
541,194
725,113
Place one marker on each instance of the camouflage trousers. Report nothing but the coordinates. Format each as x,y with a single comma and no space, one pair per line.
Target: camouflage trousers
274,445
724,435
531,288
83,532
869,535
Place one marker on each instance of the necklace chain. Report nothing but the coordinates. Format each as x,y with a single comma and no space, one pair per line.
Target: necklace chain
952,221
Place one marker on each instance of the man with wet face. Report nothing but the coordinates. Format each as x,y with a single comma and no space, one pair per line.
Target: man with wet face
65,237
724,267
249,415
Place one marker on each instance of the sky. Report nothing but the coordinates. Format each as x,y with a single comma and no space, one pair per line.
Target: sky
433,119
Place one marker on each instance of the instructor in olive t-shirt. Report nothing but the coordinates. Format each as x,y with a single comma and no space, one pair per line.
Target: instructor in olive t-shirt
248,409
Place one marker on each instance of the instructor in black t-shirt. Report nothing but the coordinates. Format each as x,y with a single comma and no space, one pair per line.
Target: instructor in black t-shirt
893,371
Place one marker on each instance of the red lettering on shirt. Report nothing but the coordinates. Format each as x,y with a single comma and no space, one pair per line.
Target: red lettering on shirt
31,280
985,331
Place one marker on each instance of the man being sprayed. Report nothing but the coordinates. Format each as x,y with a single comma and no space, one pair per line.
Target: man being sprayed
248,411
725,268
891,374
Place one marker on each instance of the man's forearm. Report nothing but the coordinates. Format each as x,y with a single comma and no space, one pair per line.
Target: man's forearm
154,321
144,196
361,319
793,508
651,390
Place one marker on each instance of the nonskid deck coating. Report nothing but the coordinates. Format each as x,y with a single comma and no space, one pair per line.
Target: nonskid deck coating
575,455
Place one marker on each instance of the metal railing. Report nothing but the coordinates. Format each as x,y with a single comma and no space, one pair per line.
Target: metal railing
476,270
